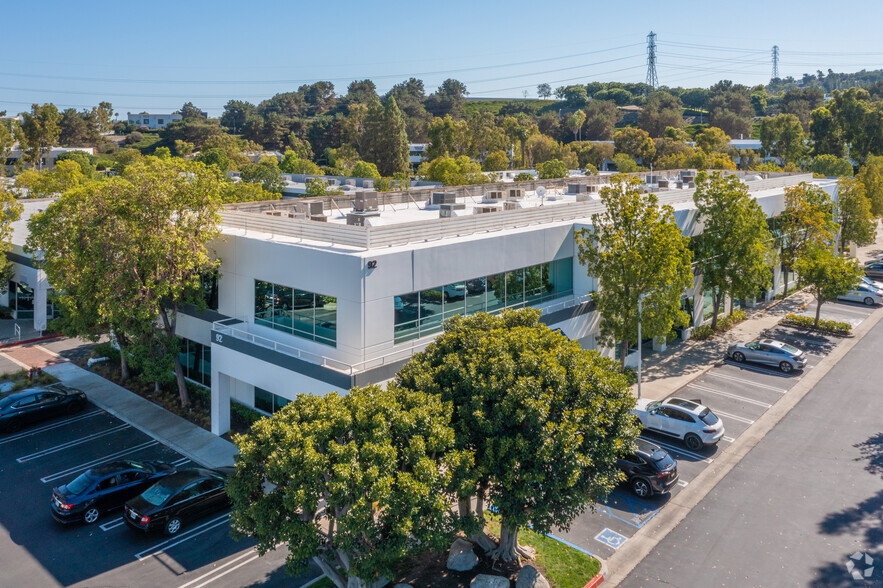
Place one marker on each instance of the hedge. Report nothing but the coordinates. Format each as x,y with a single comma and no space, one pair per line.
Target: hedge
806,322
724,323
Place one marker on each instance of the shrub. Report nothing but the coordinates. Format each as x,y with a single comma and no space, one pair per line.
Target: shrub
133,138
107,350
806,322
631,375
702,332
5,312
243,417
524,177
672,336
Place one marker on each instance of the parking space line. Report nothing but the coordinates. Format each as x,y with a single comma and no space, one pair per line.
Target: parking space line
734,417
32,432
180,462
99,461
761,370
195,531
233,569
220,567
744,381
683,483
727,439
849,310
112,524
683,451
74,443
729,395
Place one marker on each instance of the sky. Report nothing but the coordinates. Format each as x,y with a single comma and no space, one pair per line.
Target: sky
157,55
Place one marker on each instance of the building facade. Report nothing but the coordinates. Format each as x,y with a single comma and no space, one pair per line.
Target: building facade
153,122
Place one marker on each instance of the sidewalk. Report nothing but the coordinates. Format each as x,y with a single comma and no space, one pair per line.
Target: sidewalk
180,434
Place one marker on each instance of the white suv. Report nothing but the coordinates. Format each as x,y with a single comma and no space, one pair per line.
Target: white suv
684,419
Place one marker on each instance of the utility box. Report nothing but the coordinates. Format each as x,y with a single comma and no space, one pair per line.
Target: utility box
443,198
576,188
365,202
516,193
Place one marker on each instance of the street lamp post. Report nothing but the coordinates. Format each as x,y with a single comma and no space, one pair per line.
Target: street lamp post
640,341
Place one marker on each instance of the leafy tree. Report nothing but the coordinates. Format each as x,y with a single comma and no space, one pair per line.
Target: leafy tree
676,134
360,92
713,140
554,168
830,166
520,127
385,141
827,274
733,253
190,111
216,157
624,164
163,153
496,161
635,143
318,188
575,96
541,148
40,131
871,176
183,148
42,184
266,173
7,138
575,121
192,130
363,169
544,91
73,130
601,119
447,137
159,215
10,211
103,116
300,146
854,214
806,222
695,98
826,135
452,172
523,177
232,192
293,164
83,159
450,98
731,111
782,135
544,419
373,465
661,111
410,96
125,158
635,248
485,135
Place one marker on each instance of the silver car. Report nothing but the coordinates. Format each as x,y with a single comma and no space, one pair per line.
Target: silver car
770,352
864,293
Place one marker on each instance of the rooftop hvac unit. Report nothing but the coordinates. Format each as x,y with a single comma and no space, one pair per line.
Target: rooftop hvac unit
314,208
297,215
663,183
368,184
687,172
510,204
650,179
349,182
273,212
679,184
576,188
357,220
493,195
443,198
320,217
591,187
365,201
486,209
331,182
447,210
516,193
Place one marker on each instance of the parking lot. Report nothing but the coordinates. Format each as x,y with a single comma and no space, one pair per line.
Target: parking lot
36,459
739,394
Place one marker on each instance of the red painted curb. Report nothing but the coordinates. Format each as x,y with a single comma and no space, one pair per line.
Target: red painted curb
26,341
596,581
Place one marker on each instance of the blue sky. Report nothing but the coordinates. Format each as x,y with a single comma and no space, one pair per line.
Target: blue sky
157,55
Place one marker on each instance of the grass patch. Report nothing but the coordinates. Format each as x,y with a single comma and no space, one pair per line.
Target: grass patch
325,582
563,566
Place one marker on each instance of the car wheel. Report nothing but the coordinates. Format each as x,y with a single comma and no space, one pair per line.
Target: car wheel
738,357
91,515
786,367
173,526
693,442
869,301
641,488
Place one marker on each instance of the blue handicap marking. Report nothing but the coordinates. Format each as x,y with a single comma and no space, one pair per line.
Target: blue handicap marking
628,510
611,538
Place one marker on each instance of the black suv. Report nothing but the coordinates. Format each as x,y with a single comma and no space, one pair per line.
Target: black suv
650,469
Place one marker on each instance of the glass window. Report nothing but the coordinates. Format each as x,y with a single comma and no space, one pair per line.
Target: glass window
514,287
475,298
326,319
561,277
454,299
263,303
205,367
267,401
534,289
303,315
298,312
407,316
496,292
187,357
430,310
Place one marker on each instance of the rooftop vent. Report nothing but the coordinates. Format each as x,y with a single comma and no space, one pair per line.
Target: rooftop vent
492,195
311,209
663,183
365,201
576,189
516,193
360,219
443,198
447,210
511,204
349,182
486,209
368,184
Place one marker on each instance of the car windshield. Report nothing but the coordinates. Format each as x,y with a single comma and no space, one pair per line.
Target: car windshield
789,349
653,405
708,417
157,494
80,484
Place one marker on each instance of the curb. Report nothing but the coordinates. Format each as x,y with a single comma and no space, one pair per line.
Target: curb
28,341
599,577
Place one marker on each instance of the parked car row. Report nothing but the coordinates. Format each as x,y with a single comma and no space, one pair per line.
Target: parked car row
32,405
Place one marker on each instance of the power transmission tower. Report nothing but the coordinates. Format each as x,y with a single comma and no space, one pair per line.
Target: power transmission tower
652,81
775,62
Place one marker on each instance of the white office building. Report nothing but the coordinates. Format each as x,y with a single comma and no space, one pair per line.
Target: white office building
152,121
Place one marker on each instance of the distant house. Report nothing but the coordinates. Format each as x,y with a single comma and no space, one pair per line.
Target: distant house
417,154
630,113
153,122
49,157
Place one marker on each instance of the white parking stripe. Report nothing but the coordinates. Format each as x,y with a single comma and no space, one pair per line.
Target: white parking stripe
683,451
760,370
729,395
69,444
220,567
111,524
234,568
20,364
180,462
744,381
727,439
95,462
683,483
734,417
843,308
55,425
161,547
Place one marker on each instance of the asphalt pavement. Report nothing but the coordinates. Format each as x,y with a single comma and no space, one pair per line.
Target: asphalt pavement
805,500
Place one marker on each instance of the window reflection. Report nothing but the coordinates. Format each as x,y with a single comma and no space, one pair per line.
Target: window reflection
298,312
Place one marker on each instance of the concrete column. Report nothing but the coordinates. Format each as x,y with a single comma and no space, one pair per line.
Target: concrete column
698,301
221,384
777,281
40,290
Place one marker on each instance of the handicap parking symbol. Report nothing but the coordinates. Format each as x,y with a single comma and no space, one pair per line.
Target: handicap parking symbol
611,538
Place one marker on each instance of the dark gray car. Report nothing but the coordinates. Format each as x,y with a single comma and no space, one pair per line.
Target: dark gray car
768,352
874,270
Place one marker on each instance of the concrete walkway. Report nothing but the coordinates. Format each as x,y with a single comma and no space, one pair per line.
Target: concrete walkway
180,434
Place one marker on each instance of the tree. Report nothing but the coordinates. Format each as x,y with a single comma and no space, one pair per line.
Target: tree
528,405
807,221
360,485
554,168
827,138
410,96
385,141
544,91
827,274
575,122
496,161
624,164
7,138
635,248
40,131
216,157
661,110
360,92
635,143
73,130
83,159
266,173
316,188
854,214
601,119
363,169
782,135
830,166
46,183
733,253
190,111
485,135
541,148
447,137
871,176
103,116
159,215
191,130
452,172
450,98
520,128
713,140
236,113
293,164
575,96
10,211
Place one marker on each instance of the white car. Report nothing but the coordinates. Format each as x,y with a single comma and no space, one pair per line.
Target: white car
865,294
869,282
684,419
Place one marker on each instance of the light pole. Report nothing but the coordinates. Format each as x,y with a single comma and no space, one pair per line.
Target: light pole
640,341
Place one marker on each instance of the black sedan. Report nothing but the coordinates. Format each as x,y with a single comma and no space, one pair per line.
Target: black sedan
36,404
105,488
184,496
650,469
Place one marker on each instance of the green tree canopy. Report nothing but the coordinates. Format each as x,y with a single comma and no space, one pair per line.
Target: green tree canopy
292,163
40,131
355,483
452,172
713,140
807,221
782,136
544,419
385,140
830,165
827,274
661,110
635,247
854,214
266,173
554,168
871,176
635,143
